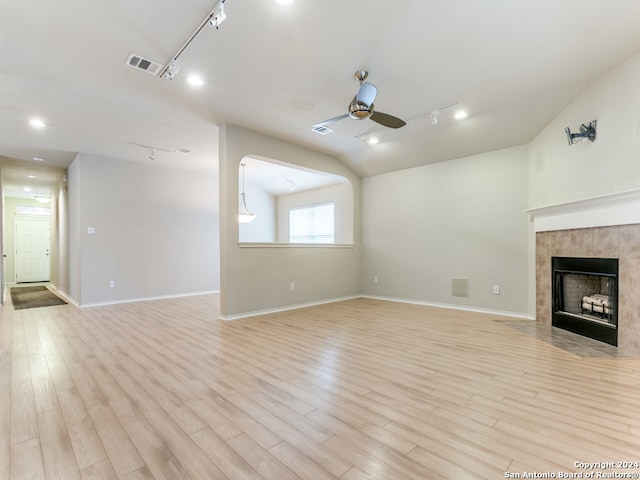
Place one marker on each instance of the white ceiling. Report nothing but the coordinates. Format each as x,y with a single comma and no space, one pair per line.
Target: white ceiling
281,179
513,65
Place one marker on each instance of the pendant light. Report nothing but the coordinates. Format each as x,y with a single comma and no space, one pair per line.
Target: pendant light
244,216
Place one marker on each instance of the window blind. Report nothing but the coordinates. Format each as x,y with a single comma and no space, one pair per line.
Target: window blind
312,224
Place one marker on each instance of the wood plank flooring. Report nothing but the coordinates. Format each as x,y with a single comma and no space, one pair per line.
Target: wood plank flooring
356,390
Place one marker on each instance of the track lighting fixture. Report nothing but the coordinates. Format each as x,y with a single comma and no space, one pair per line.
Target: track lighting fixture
218,16
434,116
152,155
293,185
171,71
587,132
215,18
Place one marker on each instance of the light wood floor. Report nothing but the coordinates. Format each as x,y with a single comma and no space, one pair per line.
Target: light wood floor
356,390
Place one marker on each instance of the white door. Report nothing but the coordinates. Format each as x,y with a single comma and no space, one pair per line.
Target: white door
32,250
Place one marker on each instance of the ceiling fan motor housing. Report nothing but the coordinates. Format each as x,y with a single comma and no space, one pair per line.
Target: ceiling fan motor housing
360,111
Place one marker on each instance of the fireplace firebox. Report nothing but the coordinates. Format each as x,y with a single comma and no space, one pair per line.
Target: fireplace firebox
585,297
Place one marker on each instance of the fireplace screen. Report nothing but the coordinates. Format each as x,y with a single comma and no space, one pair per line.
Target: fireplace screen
585,296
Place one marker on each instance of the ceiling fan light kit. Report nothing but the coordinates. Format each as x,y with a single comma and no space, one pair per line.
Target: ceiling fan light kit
359,111
362,108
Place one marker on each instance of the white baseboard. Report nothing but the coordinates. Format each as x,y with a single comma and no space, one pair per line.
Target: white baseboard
501,313
62,294
146,299
286,308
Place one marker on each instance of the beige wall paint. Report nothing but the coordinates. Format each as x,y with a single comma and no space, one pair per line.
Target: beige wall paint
258,278
463,218
156,231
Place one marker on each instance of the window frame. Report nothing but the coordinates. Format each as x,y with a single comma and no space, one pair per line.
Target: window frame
315,235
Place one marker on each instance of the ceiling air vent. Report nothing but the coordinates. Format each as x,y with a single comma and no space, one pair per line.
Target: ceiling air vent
321,129
141,63
184,151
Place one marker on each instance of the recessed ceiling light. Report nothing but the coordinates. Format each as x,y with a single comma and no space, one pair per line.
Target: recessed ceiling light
38,159
372,141
37,123
41,198
27,189
284,2
31,176
460,114
195,80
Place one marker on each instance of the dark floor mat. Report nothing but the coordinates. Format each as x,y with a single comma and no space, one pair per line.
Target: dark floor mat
33,297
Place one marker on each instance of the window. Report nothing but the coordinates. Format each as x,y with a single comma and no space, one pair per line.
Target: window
274,188
312,224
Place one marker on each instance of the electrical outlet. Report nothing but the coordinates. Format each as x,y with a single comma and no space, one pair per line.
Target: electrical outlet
375,279
496,289
112,284
292,287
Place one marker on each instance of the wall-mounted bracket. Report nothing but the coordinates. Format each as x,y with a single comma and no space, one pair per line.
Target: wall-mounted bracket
587,132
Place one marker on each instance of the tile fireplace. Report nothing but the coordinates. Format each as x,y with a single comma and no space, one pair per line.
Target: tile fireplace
620,243
585,297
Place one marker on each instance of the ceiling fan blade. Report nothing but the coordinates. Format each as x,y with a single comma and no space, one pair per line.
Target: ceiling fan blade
367,93
387,120
331,120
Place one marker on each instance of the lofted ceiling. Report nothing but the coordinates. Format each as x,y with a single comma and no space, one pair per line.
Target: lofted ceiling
512,65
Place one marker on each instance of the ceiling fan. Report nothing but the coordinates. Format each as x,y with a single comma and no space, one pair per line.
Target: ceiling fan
361,107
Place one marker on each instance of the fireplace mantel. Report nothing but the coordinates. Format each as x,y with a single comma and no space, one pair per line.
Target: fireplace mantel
621,208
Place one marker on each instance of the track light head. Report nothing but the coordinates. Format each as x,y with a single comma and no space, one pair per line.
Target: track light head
171,71
218,16
434,117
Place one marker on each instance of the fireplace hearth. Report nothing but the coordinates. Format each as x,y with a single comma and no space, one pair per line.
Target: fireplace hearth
585,297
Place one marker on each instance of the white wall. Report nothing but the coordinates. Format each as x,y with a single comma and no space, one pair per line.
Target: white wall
263,204
258,278
561,173
156,231
60,242
74,225
457,219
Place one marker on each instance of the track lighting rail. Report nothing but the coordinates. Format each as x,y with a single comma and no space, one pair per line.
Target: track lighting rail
214,18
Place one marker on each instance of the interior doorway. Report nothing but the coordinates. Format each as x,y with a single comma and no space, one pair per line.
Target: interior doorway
32,248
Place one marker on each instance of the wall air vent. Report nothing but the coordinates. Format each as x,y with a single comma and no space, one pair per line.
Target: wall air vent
141,63
321,129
